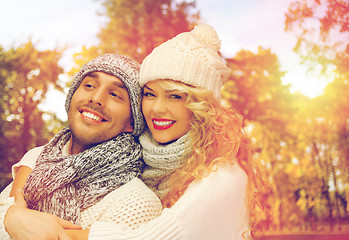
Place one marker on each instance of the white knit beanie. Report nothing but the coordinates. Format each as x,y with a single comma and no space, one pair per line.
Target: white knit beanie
122,67
191,58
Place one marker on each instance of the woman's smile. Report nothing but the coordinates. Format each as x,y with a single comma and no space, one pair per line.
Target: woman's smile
162,124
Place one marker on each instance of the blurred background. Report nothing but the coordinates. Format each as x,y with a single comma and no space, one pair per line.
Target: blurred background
289,81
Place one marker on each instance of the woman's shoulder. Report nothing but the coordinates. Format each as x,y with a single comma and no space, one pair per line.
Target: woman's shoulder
224,179
216,203
229,172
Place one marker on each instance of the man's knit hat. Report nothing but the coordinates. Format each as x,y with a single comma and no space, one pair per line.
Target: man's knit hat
190,57
122,67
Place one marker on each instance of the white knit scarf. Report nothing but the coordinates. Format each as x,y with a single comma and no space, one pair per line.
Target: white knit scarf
66,185
161,161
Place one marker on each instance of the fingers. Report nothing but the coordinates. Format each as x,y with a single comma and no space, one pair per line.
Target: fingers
67,225
64,236
19,198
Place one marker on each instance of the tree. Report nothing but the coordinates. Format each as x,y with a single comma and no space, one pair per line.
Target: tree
6,62
255,89
26,74
322,29
135,27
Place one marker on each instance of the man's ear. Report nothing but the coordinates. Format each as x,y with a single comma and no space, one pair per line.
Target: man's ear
129,127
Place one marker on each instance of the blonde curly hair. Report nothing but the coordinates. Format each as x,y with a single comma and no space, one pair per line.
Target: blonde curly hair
217,137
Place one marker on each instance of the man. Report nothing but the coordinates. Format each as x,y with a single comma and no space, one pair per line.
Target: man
87,162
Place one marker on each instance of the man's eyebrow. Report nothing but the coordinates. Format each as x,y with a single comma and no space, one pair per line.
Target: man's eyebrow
119,84
92,75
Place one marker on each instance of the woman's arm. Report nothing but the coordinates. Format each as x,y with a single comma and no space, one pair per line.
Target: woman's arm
212,208
78,234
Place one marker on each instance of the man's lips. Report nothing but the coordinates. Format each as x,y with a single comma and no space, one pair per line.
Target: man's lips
92,115
162,124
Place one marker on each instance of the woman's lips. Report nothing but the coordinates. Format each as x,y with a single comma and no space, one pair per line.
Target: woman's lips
162,124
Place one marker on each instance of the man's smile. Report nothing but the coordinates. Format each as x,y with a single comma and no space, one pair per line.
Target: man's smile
92,116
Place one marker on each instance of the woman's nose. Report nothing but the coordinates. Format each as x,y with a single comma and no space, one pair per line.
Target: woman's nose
159,106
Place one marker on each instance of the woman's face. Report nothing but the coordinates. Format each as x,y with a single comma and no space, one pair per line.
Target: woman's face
165,113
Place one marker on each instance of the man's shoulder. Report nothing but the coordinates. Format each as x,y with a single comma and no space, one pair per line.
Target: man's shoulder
29,159
34,152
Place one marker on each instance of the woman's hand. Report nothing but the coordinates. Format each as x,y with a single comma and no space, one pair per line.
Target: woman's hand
78,234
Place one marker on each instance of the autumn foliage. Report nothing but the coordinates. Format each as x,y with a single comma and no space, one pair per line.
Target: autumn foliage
300,144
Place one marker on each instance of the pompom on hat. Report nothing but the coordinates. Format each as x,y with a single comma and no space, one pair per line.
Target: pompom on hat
191,58
122,67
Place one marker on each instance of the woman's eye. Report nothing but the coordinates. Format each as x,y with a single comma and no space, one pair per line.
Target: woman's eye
148,94
175,96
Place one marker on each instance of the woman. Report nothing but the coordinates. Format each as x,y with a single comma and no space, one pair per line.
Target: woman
198,158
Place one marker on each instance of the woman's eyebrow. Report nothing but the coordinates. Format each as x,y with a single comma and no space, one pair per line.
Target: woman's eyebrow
148,88
168,91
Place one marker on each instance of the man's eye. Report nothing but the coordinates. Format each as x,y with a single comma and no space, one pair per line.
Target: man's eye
89,85
115,95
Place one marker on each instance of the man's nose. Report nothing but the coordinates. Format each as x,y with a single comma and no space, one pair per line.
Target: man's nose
98,97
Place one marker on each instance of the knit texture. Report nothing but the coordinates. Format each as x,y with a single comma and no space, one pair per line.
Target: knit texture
130,206
211,208
3,210
122,67
190,57
161,161
66,185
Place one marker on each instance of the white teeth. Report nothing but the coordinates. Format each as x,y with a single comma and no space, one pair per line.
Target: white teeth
163,123
92,116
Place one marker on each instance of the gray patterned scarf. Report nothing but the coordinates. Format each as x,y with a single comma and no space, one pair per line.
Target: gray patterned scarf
161,161
66,185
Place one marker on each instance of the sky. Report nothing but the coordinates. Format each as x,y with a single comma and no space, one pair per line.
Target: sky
241,24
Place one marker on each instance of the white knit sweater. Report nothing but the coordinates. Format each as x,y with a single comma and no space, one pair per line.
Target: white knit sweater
213,208
128,206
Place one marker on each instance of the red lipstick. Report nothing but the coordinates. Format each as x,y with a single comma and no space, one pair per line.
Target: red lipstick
162,124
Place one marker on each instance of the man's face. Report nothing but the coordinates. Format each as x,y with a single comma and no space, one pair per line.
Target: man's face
99,110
